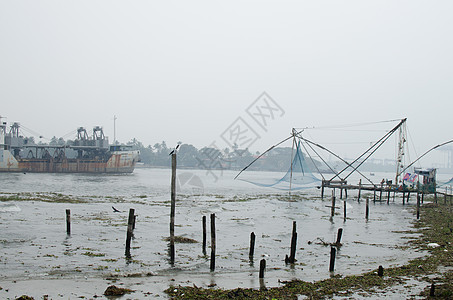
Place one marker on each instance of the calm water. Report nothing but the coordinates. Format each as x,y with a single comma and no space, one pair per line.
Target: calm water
35,245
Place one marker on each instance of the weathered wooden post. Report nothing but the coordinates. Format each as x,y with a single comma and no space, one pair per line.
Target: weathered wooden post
380,192
212,267
367,208
68,221
380,271
129,233
408,196
388,196
344,210
173,208
262,268
332,209
418,207
339,234
404,197
333,252
322,189
360,189
203,221
252,245
133,222
432,290
292,256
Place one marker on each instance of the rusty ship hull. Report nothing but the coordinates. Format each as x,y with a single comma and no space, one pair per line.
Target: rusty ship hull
86,154
120,162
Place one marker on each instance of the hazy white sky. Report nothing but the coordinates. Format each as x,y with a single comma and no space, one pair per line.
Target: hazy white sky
187,70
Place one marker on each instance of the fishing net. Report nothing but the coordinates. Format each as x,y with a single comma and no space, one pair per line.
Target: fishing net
449,183
298,176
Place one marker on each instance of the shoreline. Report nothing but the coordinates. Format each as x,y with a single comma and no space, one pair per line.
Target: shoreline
434,270
187,283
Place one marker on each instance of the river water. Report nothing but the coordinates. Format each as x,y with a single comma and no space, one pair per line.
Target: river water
38,257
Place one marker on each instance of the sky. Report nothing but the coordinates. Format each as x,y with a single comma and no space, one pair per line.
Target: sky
219,72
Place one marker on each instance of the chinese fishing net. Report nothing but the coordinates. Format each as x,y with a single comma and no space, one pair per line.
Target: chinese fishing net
298,176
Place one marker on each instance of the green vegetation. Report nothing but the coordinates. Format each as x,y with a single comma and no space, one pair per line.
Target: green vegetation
116,291
182,240
213,158
92,254
44,197
435,226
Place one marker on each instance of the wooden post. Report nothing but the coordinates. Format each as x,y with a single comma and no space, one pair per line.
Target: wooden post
388,197
339,234
252,245
173,207
262,267
404,197
212,267
68,221
344,209
341,192
367,208
322,190
292,256
129,233
418,207
360,189
332,209
423,197
374,194
204,234
380,271
380,192
333,252
346,193
432,290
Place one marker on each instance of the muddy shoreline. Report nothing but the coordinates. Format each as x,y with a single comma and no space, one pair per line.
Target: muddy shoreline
422,278
38,258
91,280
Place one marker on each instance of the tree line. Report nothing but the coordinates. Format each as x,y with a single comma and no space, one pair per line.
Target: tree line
279,159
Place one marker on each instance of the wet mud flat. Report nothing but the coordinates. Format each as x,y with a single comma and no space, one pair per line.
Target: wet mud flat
427,277
38,257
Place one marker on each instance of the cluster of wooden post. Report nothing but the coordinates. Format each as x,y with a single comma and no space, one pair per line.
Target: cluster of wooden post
288,259
213,239
129,233
333,249
252,253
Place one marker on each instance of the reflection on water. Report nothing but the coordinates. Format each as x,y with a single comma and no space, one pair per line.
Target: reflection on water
35,245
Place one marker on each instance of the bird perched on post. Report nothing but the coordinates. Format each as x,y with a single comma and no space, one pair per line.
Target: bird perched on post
174,150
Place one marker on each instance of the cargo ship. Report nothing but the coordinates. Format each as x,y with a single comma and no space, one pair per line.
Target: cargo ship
86,154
